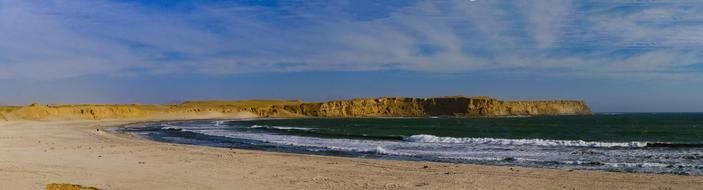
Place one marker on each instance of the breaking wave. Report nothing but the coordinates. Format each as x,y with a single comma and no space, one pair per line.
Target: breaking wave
634,156
545,142
281,128
530,142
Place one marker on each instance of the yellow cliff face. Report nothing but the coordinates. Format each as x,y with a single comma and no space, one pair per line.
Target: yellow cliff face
441,106
370,107
542,108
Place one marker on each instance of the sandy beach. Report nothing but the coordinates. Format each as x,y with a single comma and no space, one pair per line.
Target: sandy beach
33,154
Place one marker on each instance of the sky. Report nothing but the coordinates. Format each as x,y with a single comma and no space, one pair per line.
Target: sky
617,55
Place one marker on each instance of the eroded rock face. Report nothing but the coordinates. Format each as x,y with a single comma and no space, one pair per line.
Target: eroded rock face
371,107
442,106
542,108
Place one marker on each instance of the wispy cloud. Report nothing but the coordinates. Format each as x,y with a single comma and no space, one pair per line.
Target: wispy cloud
62,39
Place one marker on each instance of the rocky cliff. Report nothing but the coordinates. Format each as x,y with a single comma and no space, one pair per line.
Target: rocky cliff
441,106
371,107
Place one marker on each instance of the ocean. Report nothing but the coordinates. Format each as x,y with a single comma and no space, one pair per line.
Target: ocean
670,143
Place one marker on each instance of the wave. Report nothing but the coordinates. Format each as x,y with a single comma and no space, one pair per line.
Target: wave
186,127
281,128
534,142
424,138
632,165
568,154
610,113
170,127
312,143
219,123
515,116
674,145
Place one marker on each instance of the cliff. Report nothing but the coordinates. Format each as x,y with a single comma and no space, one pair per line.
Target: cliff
440,106
370,107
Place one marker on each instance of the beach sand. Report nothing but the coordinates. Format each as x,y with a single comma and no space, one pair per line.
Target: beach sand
34,154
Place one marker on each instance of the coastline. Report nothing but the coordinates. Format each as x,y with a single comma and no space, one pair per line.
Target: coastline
83,152
457,106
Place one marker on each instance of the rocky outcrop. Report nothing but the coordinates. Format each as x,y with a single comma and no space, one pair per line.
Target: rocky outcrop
441,106
542,108
66,186
370,107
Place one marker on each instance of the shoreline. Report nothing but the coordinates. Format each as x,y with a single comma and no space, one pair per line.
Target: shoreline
39,153
374,156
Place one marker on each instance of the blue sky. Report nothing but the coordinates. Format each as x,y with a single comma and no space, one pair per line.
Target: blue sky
618,55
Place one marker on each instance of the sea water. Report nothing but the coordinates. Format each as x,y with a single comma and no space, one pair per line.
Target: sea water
631,142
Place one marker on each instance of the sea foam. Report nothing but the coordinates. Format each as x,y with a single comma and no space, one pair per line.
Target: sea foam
422,138
571,154
280,127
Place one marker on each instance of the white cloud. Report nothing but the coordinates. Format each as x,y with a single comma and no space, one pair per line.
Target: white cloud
547,19
77,38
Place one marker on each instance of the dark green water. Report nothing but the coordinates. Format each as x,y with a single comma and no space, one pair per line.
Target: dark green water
633,142
651,127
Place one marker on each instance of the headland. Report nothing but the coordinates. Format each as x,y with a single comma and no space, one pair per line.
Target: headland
456,106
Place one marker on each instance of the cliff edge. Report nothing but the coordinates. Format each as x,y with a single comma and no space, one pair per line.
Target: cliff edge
458,106
440,106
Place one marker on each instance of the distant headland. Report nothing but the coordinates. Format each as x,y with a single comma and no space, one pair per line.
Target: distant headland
453,106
